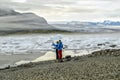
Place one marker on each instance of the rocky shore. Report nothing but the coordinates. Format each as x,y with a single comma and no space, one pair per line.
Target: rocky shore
100,65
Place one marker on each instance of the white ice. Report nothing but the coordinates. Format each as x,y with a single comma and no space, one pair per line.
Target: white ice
36,43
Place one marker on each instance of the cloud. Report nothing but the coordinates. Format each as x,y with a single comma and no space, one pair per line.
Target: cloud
68,9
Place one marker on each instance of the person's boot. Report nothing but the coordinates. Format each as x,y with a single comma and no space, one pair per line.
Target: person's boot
61,60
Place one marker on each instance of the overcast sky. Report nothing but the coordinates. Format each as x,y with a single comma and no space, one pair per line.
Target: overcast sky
62,10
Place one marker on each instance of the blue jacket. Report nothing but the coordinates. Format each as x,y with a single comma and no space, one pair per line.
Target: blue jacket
55,45
58,46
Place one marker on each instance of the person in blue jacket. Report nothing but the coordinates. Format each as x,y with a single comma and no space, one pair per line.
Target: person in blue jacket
59,47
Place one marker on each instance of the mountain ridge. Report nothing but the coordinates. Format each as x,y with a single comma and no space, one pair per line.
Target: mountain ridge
8,12
12,22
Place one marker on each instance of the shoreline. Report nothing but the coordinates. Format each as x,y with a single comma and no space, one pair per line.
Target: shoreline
33,57
100,65
6,60
63,33
21,59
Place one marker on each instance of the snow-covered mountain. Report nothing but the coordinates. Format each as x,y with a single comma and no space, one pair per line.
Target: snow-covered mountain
77,26
7,12
105,22
111,23
11,20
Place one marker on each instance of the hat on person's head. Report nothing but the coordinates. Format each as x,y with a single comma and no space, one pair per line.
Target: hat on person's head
59,40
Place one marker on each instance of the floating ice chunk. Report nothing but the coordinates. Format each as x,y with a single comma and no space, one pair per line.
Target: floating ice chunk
57,37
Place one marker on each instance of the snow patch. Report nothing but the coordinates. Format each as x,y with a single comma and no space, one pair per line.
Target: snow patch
22,62
52,56
48,56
